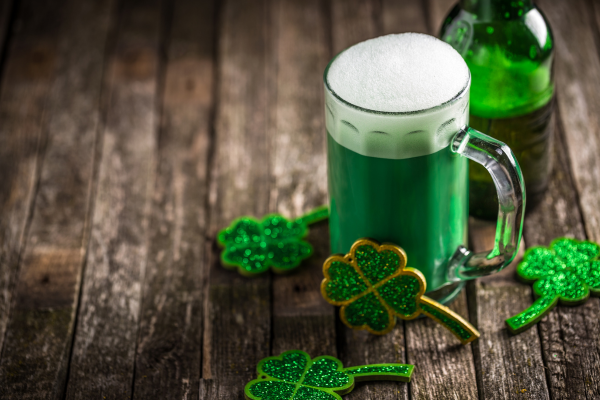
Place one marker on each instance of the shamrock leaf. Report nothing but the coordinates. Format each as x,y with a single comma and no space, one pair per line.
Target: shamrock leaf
253,246
373,287
568,271
294,376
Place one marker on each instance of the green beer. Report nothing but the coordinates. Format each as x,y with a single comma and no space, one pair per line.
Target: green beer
420,202
398,142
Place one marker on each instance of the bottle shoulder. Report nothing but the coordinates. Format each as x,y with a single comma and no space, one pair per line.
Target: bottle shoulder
528,35
510,60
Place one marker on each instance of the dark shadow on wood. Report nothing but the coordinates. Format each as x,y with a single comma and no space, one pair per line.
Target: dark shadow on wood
8,15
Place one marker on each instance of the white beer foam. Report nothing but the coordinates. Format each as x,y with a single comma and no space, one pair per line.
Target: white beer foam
424,80
398,73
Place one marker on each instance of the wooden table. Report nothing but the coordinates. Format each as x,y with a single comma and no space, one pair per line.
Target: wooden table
132,131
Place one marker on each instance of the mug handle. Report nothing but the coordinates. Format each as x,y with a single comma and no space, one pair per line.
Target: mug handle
501,163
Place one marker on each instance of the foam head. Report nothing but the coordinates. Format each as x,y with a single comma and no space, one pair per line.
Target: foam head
398,73
397,96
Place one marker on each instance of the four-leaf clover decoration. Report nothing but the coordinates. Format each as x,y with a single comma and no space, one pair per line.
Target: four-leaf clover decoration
294,376
373,287
253,246
568,271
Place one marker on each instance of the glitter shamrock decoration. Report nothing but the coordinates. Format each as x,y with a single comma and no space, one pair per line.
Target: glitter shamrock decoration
373,287
253,246
568,271
294,376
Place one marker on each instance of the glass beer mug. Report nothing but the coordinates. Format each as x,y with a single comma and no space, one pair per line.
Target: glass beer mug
397,160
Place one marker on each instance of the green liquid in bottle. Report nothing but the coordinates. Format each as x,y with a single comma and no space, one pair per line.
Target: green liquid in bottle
508,47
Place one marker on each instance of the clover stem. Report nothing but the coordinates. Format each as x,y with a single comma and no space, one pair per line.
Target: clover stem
526,319
381,372
463,330
314,215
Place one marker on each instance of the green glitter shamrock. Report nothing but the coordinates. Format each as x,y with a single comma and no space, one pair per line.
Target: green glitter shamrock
373,287
253,246
568,271
294,376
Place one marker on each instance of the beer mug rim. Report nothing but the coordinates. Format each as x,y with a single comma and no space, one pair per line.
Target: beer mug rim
443,105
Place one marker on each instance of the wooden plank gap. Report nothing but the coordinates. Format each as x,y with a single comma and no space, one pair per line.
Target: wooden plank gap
104,97
104,350
302,319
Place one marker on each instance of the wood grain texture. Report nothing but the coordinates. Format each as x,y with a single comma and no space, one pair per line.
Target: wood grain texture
446,368
569,335
170,340
102,363
404,16
302,319
577,74
353,21
361,347
238,310
28,74
508,366
38,342
217,390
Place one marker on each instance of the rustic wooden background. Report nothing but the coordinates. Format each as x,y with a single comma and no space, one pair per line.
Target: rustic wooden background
131,131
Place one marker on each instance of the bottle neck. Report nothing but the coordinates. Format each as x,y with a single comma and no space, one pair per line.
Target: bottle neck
497,9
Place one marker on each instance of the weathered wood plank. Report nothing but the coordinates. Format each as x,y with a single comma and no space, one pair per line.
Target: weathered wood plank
301,318
103,357
361,347
507,366
570,335
237,330
170,339
404,16
214,390
38,341
353,21
445,368
577,68
27,75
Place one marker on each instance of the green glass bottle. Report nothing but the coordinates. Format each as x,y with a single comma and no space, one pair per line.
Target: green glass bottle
508,47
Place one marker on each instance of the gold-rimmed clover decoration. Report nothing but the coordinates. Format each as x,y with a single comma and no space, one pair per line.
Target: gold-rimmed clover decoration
373,286
568,271
293,375
254,246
